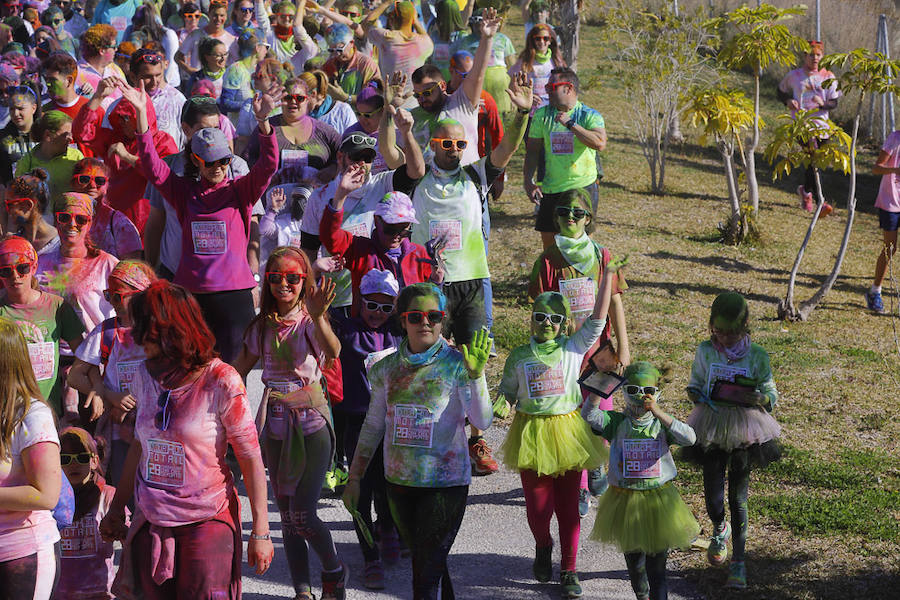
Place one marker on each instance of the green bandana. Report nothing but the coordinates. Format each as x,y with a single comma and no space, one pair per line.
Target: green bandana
578,252
542,57
549,352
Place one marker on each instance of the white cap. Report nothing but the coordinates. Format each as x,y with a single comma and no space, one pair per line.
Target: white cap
379,282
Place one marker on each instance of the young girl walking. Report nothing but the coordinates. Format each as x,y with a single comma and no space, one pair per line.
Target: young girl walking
548,443
641,512
734,393
294,338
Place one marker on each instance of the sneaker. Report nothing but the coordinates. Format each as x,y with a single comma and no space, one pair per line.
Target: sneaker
571,587
737,575
874,302
334,585
482,461
373,575
330,481
543,563
584,502
598,482
305,596
717,553
340,476
492,353
827,209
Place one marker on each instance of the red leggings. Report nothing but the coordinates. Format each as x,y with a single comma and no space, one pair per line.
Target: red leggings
545,495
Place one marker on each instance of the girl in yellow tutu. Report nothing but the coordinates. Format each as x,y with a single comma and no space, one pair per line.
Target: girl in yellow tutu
548,443
641,512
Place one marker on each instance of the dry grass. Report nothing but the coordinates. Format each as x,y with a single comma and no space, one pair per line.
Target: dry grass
837,374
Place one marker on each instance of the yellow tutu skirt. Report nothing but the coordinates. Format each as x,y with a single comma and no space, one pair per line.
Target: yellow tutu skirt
648,521
552,444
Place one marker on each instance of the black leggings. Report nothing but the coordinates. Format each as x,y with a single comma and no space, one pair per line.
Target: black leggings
371,488
30,577
648,575
228,314
714,465
428,520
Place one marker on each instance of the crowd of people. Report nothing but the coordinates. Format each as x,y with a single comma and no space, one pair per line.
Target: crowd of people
192,189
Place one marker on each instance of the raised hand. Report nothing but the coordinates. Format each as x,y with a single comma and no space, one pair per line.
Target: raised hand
277,199
403,119
616,264
263,105
320,298
328,264
106,87
475,354
520,91
490,23
135,96
396,90
351,180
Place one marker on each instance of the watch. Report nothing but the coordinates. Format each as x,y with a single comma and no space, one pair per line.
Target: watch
570,124
256,277
257,537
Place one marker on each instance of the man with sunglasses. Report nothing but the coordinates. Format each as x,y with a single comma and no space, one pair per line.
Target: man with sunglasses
568,134
149,66
348,69
359,193
437,104
75,23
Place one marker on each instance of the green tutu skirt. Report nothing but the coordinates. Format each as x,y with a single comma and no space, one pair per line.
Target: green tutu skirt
649,521
552,444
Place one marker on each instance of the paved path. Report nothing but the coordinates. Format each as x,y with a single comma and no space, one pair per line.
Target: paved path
491,558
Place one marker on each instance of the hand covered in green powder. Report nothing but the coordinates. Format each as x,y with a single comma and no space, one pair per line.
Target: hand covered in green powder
351,495
616,264
501,408
475,354
320,298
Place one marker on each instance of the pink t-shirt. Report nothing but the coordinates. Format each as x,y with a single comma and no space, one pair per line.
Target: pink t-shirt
80,281
86,568
23,532
182,476
396,53
289,352
807,86
889,191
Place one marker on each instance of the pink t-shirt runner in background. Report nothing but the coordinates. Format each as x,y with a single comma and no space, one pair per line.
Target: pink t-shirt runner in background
889,190
396,53
86,568
23,532
182,476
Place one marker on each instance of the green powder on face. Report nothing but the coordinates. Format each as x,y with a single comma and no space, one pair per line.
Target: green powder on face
56,88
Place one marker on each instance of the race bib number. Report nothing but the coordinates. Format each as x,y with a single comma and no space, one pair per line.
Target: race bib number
165,463
724,372
43,357
374,357
581,294
125,371
543,381
357,229
562,142
640,459
209,237
80,539
378,165
451,230
413,426
293,164
442,52
119,23
277,412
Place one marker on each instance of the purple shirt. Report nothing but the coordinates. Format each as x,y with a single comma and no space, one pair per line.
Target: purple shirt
360,346
215,219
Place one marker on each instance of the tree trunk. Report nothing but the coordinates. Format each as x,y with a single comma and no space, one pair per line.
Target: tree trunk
807,307
568,28
786,308
750,156
733,232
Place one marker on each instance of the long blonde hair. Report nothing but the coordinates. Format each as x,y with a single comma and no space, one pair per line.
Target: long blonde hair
18,387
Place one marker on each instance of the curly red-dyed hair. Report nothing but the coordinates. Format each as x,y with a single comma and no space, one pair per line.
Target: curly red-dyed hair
168,315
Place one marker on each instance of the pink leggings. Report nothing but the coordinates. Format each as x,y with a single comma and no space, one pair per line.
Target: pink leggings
545,495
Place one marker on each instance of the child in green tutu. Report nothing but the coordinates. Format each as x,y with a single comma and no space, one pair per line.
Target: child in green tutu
641,512
548,443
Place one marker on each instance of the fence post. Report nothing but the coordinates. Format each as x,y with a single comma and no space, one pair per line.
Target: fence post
878,48
819,20
887,54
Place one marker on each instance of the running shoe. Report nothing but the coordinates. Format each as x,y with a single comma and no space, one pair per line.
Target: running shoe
480,454
330,481
827,209
334,585
874,302
584,502
373,575
737,575
598,482
571,587
305,596
543,563
717,553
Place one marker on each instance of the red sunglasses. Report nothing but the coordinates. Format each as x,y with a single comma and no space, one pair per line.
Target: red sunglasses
552,86
6,271
9,203
64,218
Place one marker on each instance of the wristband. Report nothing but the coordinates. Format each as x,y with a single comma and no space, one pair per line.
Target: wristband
259,538
570,124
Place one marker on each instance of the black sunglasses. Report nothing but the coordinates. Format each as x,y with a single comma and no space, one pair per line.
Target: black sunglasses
210,164
415,317
6,272
276,277
81,458
99,180
401,229
376,306
164,416
565,211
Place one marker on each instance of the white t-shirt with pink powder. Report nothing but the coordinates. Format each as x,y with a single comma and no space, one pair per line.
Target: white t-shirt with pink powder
86,569
23,533
889,191
80,281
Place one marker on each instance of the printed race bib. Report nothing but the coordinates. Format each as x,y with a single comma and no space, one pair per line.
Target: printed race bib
581,293
640,459
719,371
543,381
562,142
125,371
209,237
442,53
119,23
293,163
357,229
165,463
43,357
451,229
378,165
374,357
80,539
413,426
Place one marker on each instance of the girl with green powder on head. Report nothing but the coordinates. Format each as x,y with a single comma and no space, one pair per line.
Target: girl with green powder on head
548,443
421,397
734,394
294,339
642,513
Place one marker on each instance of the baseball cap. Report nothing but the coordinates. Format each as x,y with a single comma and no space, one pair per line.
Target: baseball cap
396,207
359,144
379,282
210,144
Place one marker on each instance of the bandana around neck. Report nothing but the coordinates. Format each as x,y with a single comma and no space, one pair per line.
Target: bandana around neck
736,352
578,252
542,57
423,358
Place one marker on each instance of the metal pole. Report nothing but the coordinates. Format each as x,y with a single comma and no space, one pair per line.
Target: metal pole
887,55
871,120
675,7
818,20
